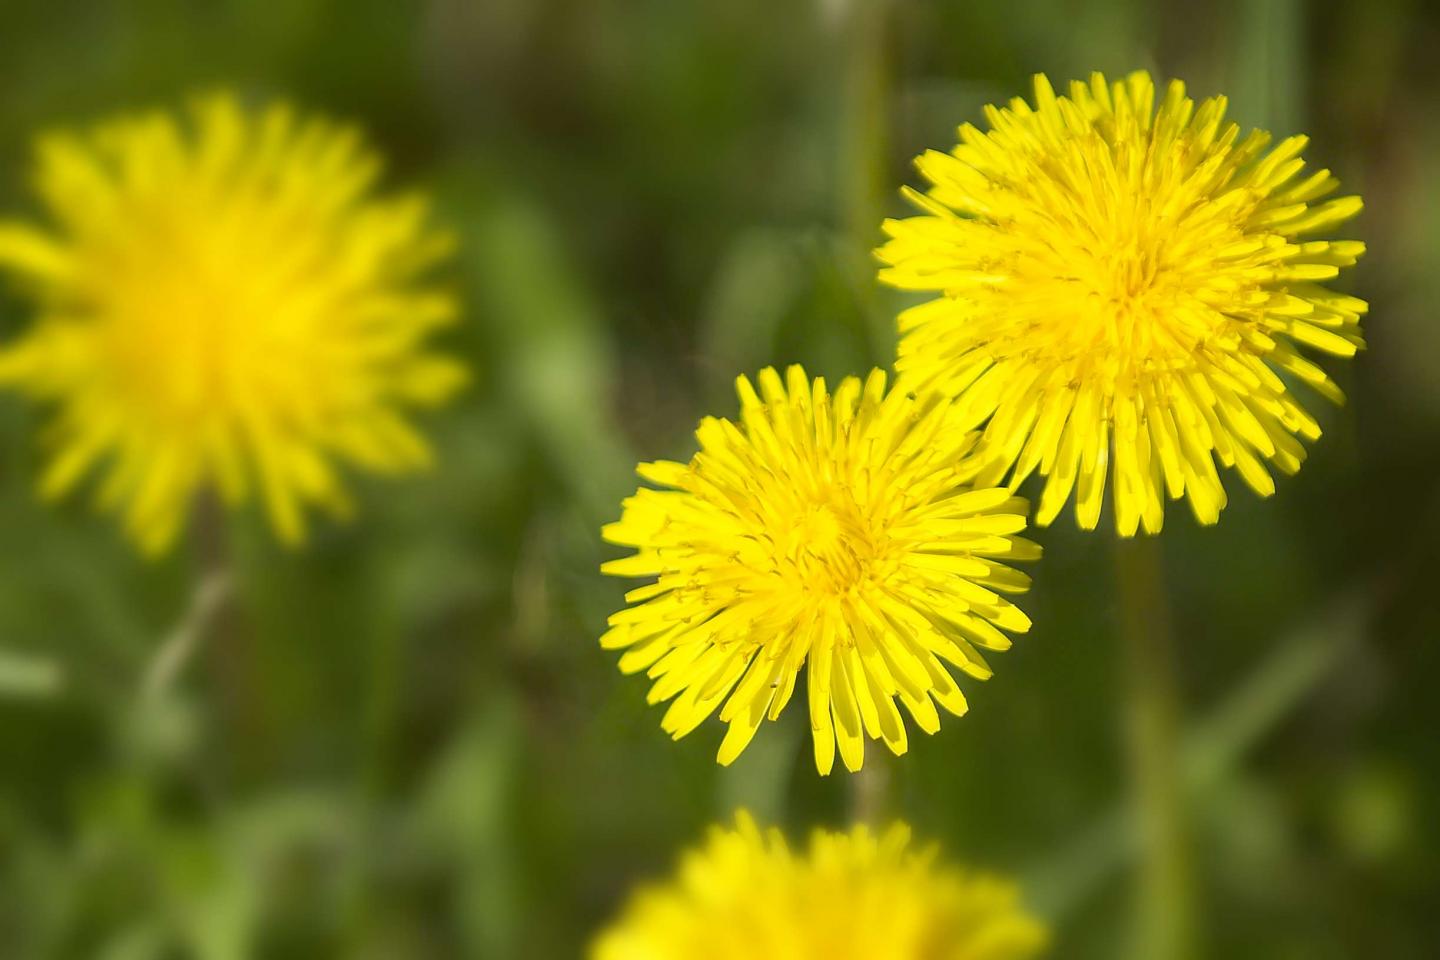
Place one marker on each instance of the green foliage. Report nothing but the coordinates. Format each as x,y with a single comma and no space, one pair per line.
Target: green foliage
404,742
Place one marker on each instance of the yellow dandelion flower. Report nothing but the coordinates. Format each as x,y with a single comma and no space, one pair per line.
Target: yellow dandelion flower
1125,289
823,529
221,302
745,894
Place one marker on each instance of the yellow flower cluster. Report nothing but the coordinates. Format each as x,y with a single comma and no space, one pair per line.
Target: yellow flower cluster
745,894
222,304
1126,290
828,529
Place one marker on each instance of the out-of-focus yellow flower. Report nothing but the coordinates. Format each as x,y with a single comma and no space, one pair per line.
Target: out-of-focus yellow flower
820,529
1123,289
745,895
222,302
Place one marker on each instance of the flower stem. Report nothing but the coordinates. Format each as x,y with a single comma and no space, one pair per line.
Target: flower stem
870,791
1165,898
229,649
210,594
859,74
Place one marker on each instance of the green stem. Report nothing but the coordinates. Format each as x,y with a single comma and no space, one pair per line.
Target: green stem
230,651
210,594
861,31
862,76
870,790
1165,907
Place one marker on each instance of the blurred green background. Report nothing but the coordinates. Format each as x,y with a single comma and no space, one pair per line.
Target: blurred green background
404,742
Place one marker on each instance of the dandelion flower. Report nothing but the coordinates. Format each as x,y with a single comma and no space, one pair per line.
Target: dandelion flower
222,303
828,530
1125,290
746,895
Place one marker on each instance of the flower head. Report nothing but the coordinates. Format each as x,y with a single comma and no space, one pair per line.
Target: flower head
222,303
1125,289
745,894
828,530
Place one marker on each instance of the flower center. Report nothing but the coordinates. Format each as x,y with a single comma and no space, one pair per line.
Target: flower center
828,547
223,339
1127,291
1125,276
1117,300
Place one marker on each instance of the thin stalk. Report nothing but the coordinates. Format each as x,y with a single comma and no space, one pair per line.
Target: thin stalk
232,658
862,66
1165,898
860,74
870,790
210,594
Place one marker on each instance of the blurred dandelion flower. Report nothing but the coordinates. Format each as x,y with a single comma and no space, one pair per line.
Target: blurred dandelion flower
1123,289
222,302
745,894
828,529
